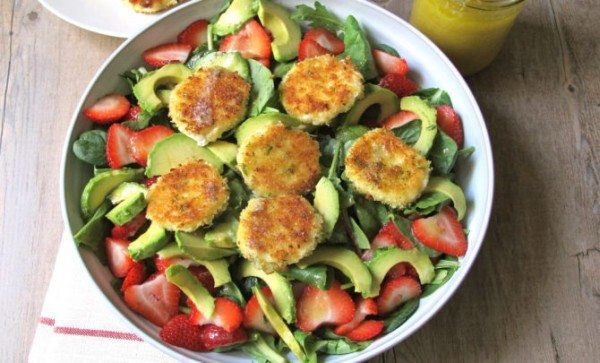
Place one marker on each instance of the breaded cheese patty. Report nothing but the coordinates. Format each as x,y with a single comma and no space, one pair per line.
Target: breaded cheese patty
278,160
279,231
187,197
151,6
209,103
384,167
318,89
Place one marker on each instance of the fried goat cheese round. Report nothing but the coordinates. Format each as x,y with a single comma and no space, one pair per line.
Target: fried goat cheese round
276,232
318,89
210,102
151,6
383,167
278,160
187,197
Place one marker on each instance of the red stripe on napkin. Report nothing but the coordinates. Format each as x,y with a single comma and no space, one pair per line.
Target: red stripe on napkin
89,332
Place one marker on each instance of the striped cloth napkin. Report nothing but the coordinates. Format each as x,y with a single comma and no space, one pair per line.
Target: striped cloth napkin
77,326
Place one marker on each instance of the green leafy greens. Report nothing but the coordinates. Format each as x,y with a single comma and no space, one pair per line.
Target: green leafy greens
317,17
358,49
90,147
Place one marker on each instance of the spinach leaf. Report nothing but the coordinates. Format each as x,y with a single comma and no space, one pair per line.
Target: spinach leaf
465,152
444,270
360,238
90,147
263,86
427,204
443,153
133,76
319,17
366,212
404,225
389,50
238,196
93,233
198,53
435,96
350,132
312,344
262,348
142,121
401,315
314,275
358,49
231,291
410,132
281,69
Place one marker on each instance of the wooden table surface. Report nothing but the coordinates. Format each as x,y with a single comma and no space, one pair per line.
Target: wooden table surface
534,292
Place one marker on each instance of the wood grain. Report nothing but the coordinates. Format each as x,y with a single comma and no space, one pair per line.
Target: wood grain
534,292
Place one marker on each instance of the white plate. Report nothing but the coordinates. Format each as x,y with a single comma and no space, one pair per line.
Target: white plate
429,67
109,17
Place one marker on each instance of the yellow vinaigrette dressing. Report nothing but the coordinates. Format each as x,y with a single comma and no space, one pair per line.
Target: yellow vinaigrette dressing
470,32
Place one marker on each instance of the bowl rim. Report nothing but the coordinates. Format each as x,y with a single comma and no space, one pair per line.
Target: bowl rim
362,355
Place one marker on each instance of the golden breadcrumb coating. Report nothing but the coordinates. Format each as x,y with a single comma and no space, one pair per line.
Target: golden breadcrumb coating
151,6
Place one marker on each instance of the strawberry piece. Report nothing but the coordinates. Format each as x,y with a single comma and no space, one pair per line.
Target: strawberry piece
387,63
117,254
400,84
402,269
449,121
364,307
319,41
213,336
227,315
150,181
118,146
395,292
309,48
205,277
163,263
317,307
135,276
254,318
181,332
194,34
130,228
108,109
442,232
167,53
133,113
399,119
156,299
252,41
390,230
367,330
143,141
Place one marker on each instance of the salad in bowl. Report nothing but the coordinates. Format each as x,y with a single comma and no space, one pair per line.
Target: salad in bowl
274,182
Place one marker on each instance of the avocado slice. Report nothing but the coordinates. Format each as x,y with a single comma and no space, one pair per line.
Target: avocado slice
278,324
232,61
176,150
225,151
145,90
192,288
93,233
148,243
196,246
327,202
127,209
344,260
124,190
427,115
256,124
280,287
385,259
170,251
236,15
164,95
219,269
374,96
453,191
99,187
285,31
223,235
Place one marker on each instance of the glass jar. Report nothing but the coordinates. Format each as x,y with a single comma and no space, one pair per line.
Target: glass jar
470,32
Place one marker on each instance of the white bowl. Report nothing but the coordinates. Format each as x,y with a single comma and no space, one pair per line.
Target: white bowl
429,67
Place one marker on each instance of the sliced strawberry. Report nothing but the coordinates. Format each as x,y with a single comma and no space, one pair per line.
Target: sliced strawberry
108,109
388,236
143,141
205,277
317,307
135,276
319,41
167,53
400,84
194,34
254,318
309,48
387,63
163,263
118,146
399,119
364,307
367,330
449,121
133,113
228,315
130,228
150,181
252,41
181,332
401,269
156,299
395,292
298,289
213,336
442,232
117,254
